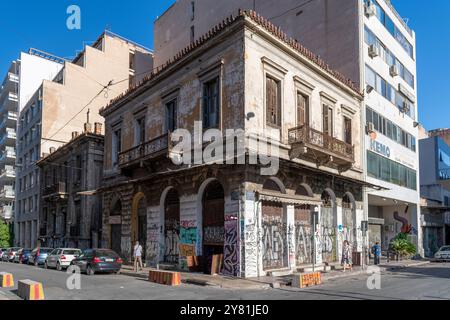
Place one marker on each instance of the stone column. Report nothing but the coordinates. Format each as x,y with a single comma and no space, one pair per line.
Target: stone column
251,216
290,225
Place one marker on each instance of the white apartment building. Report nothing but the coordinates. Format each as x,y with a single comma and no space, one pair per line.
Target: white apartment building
21,81
52,117
366,40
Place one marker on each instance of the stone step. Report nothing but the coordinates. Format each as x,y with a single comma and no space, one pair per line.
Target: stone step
280,273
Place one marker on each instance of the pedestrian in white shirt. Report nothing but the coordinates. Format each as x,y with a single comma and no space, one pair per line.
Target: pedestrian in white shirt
137,253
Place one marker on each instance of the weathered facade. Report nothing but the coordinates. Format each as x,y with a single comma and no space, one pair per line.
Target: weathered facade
71,214
244,74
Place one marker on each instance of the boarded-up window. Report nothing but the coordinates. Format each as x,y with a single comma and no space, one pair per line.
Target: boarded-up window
327,120
273,102
348,130
302,109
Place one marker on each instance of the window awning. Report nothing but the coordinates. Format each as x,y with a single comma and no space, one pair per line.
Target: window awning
286,198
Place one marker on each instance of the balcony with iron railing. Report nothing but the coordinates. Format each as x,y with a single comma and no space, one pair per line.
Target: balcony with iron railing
9,137
311,144
9,120
144,152
58,189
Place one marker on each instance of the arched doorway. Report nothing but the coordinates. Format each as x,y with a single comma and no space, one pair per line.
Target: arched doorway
348,219
171,227
139,223
328,227
274,239
303,224
116,227
213,221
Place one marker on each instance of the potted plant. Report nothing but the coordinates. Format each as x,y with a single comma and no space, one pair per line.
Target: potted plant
403,247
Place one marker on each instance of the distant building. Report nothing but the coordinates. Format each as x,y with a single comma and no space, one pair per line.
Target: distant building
435,192
23,78
98,74
70,211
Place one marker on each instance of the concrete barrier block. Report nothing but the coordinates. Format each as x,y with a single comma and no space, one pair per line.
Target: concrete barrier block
6,280
165,277
307,280
30,290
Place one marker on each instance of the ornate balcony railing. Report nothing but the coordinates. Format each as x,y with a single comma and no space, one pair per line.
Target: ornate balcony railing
444,174
305,136
144,151
54,189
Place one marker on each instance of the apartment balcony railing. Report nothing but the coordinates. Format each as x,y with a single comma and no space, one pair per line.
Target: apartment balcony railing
8,156
146,151
7,194
58,190
13,77
323,149
6,212
9,120
8,173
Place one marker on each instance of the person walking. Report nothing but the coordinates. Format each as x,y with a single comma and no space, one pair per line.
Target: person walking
347,256
376,251
137,254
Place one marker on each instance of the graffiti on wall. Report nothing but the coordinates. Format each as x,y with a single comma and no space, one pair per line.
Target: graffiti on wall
251,245
304,243
274,242
231,259
327,236
214,234
187,250
171,241
188,235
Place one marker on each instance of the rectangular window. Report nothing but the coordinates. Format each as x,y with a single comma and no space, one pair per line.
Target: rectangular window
192,10
384,169
211,104
348,130
327,115
302,109
192,34
171,116
273,102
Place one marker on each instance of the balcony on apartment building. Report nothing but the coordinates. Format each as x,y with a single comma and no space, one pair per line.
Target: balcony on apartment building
6,212
312,145
7,193
55,191
8,174
10,102
9,120
9,137
145,152
8,156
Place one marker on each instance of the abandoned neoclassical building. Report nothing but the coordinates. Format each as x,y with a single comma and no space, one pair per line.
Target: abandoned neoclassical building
230,218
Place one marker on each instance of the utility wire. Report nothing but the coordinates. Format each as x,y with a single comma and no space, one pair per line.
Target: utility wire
294,8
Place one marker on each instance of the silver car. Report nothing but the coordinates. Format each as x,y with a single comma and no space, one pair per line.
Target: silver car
12,253
443,254
61,258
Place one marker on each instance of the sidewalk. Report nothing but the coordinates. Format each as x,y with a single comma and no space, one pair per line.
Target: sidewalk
225,282
201,279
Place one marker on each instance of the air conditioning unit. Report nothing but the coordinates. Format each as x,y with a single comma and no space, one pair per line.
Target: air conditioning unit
406,107
370,9
374,51
393,70
370,128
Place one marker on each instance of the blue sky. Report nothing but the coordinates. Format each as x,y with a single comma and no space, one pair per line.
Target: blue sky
42,24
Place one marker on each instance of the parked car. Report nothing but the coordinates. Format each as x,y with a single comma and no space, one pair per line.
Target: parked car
38,256
23,256
12,253
2,252
98,260
5,254
443,254
61,258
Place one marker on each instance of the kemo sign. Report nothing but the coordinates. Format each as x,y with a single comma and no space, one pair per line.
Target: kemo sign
380,148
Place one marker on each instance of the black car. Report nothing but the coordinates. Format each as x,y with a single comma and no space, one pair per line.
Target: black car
92,261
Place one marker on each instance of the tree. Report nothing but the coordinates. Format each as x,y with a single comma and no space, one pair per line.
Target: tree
5,236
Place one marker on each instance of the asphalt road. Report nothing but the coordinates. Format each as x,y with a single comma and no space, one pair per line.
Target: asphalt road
430,282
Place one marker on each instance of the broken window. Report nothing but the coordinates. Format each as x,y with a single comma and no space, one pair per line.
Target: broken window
273,102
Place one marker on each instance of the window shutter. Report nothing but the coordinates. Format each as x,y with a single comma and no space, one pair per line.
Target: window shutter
272,106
